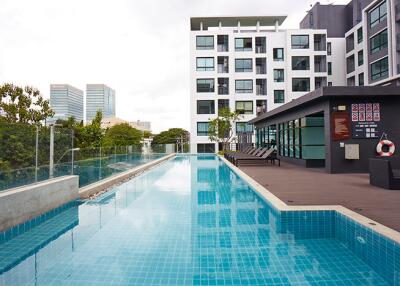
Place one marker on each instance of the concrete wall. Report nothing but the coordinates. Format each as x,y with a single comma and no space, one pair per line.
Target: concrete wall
21,204
335,161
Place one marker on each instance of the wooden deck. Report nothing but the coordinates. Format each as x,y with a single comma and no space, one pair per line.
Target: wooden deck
296,185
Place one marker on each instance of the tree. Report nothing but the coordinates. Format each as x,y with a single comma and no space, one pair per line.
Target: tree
122,135
90,135
171,136
23,105
220,129
147,134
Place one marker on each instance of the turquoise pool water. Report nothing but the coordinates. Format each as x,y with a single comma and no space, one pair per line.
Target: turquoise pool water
191,221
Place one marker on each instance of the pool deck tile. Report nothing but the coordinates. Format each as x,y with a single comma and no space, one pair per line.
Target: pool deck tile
298,186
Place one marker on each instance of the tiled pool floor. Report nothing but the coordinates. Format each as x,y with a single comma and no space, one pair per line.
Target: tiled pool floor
191,221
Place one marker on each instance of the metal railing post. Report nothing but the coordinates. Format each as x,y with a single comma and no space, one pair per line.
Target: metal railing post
37,153
51,164
72,152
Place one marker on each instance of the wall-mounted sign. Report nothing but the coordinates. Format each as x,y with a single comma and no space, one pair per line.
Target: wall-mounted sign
365,118
340,125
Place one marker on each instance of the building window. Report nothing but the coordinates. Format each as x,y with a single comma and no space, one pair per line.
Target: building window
300,63
261,45
223,85
350,64
380,69
378,15
379,42
330,83
261,65
329,68
205,64
279,75
206,148
202,128
243,44
278,54
300,42
350,43
243,65
359,35
243,127
351,81
205,42
244,107
361,79
205,85
222,42
205,107
329,48
223,104
244,86
279,96
261,86
360,58
300,84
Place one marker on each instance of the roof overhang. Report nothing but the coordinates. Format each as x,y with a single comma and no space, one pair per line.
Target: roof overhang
330,92
249,21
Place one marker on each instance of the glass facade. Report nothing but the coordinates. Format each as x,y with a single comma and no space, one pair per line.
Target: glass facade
243,65
66,101
300,42
380,69
205,64
244,86
99,97
205,42
378,15
205,85
379,42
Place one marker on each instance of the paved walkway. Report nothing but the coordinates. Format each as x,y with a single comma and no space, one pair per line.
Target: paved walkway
301,186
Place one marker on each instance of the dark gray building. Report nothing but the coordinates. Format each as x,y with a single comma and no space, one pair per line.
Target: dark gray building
333,127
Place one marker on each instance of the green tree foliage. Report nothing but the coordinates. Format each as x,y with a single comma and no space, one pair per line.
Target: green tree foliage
90,135
122,135
23,105
221,128
147,134
171,136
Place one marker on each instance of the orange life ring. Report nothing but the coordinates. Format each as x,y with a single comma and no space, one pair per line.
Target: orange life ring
387,143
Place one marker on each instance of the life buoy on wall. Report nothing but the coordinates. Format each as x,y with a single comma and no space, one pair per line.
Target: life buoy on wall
390,146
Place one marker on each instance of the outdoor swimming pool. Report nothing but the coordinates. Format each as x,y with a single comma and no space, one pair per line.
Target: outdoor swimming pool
193,221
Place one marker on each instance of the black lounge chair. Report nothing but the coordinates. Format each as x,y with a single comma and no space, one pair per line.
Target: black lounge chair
252,152
385,173
268,155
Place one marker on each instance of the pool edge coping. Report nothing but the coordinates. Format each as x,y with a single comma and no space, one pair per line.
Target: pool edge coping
282,206
99,186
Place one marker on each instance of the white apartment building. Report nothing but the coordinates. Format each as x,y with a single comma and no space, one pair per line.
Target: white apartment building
251,65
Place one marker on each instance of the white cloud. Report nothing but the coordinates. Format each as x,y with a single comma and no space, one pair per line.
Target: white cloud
140,48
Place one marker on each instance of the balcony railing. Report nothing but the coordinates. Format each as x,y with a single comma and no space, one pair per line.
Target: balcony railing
223,69
261,90
260,50
223,90
222,48
261,69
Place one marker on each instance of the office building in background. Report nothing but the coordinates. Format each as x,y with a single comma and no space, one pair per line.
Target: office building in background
99,97
66,101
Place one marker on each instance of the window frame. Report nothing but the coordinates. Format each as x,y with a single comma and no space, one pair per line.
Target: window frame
381,43
360,57
244,48
381,73
205,68
301,69
211,108
279,72
380,17
298,79
205,79
329,68
245,124
243,90
300,45
202,133
275,54
244,69
205,46
282,91
245,111
360,36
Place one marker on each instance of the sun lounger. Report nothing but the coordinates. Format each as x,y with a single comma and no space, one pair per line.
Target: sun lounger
268,155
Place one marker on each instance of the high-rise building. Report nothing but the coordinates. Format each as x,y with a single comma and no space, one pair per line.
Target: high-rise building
66,101
250,65
99,97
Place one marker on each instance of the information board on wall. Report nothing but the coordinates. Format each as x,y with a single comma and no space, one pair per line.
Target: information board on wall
365,119
340,126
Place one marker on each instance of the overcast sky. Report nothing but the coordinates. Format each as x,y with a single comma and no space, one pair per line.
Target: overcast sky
139,48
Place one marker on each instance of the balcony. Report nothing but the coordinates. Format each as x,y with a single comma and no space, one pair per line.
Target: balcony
320,63
261,86
320,82
223,65
261,107
397,12
398,42
319,42
261,46
261,65
350,43
222,43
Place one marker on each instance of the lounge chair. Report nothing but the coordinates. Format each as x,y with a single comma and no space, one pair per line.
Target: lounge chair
268,155
253,151
385,173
